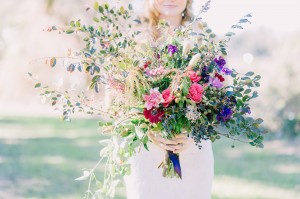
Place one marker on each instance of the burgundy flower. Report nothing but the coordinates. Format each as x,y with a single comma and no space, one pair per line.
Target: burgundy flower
220,77
154,115
147,63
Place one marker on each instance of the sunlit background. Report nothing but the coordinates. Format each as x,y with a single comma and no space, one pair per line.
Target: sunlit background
40,155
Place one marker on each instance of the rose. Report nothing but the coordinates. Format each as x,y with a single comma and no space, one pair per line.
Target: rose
193,76
196,92
168,97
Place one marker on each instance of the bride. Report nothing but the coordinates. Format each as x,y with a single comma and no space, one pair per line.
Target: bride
145,180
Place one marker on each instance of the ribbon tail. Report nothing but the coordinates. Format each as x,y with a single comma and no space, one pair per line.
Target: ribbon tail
175,160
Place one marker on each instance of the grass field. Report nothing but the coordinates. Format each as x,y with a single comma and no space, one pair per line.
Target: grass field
41,157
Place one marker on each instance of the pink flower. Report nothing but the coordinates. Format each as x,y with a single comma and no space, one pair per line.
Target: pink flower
193,76
196,92
154,99
157,71
168,97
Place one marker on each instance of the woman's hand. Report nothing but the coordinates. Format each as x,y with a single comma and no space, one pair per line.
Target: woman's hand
178,144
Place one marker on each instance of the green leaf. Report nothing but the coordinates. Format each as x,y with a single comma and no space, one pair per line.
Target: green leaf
259,121
224,53
245,98
100,8
101,124
249,74
244,21
208,31
78,24
257,77
146,147
248,15
69,31
106,6
237,26
37,85
52,62
247,91
229,34
255,94
130,6
158,127
212,35
238,94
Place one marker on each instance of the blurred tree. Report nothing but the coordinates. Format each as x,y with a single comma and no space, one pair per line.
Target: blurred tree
289,116
49,6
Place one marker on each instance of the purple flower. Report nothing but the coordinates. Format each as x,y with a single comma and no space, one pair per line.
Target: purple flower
248,110
204,74
158,56
224,115
172,49
220,62
215,82
226,71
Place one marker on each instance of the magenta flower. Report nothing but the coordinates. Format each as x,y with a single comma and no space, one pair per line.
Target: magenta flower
154,99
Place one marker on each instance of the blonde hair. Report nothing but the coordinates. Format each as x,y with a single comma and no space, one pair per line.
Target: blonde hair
152,16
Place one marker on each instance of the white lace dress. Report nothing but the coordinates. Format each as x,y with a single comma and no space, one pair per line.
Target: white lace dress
146,181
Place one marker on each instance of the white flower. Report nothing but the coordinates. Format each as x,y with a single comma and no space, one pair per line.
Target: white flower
187,45
192,113
194,60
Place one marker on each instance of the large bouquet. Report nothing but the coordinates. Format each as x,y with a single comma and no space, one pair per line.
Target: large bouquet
180,85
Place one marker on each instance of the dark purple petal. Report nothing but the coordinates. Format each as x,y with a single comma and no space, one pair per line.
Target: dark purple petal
224,115
172,49
220,62
226,71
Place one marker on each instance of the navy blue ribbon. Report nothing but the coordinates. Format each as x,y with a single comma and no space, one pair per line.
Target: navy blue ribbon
175,160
